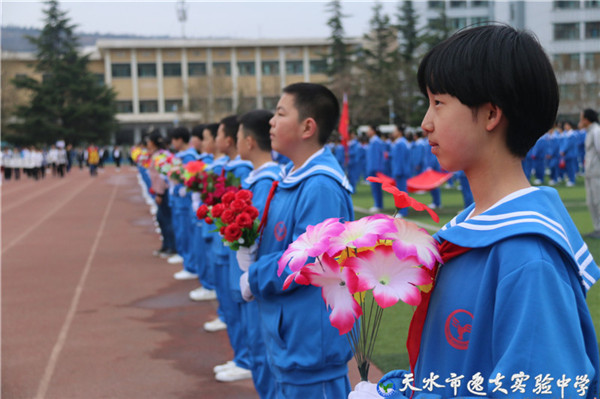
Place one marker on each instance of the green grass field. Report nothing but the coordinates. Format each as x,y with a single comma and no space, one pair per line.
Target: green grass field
390,349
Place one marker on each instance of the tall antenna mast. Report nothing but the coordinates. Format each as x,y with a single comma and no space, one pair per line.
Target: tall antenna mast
182,15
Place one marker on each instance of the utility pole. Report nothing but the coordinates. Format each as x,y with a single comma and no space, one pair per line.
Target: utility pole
182,15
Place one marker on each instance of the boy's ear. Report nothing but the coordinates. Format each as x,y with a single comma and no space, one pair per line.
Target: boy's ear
309,128
494,116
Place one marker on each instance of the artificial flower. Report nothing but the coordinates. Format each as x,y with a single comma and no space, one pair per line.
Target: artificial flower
410,240
360,233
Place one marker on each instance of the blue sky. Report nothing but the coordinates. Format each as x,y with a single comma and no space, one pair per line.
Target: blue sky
237,19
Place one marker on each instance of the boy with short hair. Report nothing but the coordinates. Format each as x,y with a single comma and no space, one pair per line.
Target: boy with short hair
254,145
507,315
307,356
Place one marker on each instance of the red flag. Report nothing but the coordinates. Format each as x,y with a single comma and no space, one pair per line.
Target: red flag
343,128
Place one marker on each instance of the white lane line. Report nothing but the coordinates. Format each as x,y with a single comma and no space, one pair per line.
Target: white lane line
36,194
43,219
62,336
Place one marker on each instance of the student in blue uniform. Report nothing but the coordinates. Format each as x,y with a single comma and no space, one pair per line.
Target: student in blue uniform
516,271
375,163
254,145
400,162
307,356
181,201
355,165
568,152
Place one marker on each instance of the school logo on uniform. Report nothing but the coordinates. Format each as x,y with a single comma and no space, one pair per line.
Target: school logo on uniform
280,231
458,329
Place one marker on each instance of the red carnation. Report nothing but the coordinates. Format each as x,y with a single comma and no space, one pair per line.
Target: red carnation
244,195
228,197
237,205
208,220
202,212
244,220
228,216
232,232
252,212
222,230
217,210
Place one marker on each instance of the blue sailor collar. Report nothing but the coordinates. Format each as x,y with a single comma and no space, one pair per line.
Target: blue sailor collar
236,162
190,151
269,170
218,162
206,157
507,218
321,162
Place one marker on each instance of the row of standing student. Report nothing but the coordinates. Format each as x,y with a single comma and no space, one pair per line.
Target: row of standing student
288,351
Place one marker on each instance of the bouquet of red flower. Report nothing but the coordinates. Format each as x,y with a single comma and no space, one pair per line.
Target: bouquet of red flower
235,218
215,186
176,172
195,176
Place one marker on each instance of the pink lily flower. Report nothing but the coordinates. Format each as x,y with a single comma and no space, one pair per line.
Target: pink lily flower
412,241
335,282
363,232
390,278
312,243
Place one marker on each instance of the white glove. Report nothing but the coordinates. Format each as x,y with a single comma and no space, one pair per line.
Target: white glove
246,256
364,390
196,201
245,288
182,191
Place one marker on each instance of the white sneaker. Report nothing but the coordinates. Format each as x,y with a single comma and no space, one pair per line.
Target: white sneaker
233,374
202,294
185,275
226,366
375,209
175,259
215,325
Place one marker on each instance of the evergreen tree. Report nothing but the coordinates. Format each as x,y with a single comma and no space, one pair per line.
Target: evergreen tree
69,102
380,61
339,62
438,29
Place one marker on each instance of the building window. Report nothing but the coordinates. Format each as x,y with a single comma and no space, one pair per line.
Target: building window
435,4
172,69
248,104
479,20
592,61
566,62
592,30
222,68
569,31
197,69
294,68
566,5
318,66
270,68
147,70
568,92
124,107
458,23
480,3
592,91
173,105
121,70
99,78
246,68
592,3
270,103
458,4
223,105
148,106
198,104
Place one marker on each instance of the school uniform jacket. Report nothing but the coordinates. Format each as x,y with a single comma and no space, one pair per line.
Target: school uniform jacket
514,305
302,346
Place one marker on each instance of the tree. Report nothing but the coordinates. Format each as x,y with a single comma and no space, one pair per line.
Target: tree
437,29
69,102
379,62
339,62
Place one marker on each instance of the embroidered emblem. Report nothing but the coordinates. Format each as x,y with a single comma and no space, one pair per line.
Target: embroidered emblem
458,325
280,231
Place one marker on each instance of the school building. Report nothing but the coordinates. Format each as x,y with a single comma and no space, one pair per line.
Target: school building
161,83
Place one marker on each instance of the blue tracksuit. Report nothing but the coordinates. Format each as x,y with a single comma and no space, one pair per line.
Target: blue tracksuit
181,213
307,356
355,163
198,242
259,182
376,163
512,305
568,150
400,163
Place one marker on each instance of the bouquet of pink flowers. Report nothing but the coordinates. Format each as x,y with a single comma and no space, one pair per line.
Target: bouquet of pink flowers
235,218
380,254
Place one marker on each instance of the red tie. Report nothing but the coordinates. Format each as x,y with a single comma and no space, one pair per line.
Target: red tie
413,343
263,222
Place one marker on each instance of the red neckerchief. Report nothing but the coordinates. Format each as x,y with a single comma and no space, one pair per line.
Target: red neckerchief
415,330
263,222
